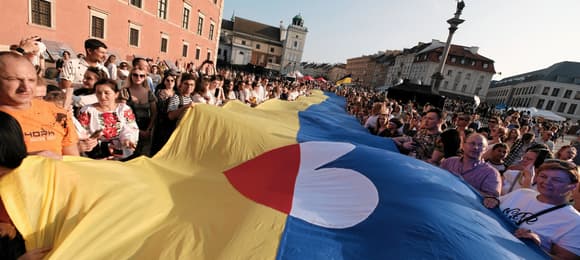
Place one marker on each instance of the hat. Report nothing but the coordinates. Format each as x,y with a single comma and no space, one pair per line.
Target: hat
397,122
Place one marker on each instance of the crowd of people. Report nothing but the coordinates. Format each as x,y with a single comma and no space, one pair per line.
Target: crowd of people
108,111
104,110
509,158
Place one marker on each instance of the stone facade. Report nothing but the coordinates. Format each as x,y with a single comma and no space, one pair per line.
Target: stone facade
556,88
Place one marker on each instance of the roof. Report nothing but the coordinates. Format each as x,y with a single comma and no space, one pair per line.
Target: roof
469,54
563,72
227,25
258,29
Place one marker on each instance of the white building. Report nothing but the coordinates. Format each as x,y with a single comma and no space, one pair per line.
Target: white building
556,88
243,41
466,73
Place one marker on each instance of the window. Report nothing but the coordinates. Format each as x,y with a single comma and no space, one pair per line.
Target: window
540,104
211,29
164,42
271,49
197,53
225,54
295,44
162,9
555,92
137,3
468,76
208,55
186,12
463,88
98,23
562,107
258,46
485,65
200,25
577,96
243,42
550,105
134,31
453,59
449,72
97,27
546,91
184,49
572,109
568,93
41,12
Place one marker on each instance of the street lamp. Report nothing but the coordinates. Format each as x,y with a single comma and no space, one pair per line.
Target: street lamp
453,22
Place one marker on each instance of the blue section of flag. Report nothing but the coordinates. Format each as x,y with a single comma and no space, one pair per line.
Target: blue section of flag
328,121
423,213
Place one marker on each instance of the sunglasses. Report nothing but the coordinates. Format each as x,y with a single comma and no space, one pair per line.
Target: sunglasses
138,75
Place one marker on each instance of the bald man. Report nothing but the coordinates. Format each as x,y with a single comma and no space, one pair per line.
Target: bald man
473,169
48,130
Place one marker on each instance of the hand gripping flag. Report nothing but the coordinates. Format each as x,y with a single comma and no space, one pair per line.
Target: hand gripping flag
285,180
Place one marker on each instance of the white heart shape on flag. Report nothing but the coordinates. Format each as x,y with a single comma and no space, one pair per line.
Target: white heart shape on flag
331,197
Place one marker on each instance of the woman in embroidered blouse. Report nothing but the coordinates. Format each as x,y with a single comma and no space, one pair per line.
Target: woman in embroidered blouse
115,120
557,230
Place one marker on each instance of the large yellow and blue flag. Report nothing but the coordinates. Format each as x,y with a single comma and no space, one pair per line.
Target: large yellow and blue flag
285,180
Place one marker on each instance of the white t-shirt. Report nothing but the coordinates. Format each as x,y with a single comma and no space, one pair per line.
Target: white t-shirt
509,178
74,71
561,226
371,122
41,50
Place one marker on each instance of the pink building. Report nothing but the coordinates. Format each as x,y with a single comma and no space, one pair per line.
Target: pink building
184,30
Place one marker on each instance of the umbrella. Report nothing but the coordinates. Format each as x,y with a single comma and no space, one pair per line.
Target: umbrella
308,77
321,79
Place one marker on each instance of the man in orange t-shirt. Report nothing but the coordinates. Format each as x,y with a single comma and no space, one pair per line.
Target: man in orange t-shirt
48,130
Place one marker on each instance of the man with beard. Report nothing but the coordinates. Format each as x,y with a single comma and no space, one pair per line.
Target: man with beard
422,144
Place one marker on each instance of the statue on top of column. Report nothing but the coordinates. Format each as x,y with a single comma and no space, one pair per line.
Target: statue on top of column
460,6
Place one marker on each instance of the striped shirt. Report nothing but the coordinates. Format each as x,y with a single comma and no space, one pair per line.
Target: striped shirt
176,102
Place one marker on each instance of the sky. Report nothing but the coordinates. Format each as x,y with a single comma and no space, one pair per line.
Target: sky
519,35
